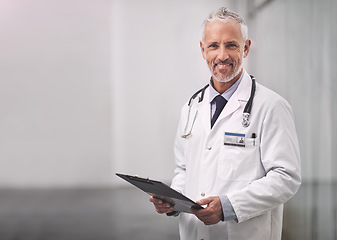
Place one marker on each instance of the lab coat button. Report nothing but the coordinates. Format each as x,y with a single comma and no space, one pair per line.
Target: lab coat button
203,194
209,147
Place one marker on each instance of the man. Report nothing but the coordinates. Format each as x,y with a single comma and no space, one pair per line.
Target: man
241,173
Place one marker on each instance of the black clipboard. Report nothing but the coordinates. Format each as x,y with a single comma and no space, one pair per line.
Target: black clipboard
160,190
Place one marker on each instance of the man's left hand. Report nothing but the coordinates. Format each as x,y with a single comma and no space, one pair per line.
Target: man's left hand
212,214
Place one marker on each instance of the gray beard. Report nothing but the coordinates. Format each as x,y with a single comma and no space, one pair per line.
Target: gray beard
229,77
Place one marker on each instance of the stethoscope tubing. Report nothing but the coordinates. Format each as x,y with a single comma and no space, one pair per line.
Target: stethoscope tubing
246,112
248,107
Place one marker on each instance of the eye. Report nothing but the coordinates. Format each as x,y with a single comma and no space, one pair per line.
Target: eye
232,45
213,45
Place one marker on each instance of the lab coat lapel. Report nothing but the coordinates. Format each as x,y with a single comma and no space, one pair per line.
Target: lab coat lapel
240,96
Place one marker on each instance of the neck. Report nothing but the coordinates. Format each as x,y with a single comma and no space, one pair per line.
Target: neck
222,87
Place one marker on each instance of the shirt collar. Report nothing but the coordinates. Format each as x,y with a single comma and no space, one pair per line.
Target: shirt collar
228,94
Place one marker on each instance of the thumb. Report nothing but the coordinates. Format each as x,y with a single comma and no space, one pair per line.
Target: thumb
204,201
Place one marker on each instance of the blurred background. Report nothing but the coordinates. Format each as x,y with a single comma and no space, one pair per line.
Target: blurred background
90,88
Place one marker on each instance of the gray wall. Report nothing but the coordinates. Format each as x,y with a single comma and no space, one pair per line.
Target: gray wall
69,72
55,97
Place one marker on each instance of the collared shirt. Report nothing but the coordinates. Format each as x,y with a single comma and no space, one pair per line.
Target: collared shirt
227,208
227,95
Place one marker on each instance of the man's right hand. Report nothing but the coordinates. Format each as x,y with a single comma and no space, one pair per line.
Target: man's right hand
161,206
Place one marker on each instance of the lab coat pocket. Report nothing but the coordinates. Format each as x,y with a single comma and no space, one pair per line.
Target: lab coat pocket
238,163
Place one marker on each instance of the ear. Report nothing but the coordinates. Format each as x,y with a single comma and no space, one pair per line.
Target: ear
202,50
247,47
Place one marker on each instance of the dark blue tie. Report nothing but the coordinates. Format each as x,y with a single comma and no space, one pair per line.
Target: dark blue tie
220,102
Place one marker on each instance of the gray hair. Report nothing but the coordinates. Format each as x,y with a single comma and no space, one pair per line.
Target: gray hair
222,14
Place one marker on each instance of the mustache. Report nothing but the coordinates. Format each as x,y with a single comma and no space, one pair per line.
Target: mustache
225,62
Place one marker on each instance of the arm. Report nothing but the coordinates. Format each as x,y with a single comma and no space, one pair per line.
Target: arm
279,156
279,153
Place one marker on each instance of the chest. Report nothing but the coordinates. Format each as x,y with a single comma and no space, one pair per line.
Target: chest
227,152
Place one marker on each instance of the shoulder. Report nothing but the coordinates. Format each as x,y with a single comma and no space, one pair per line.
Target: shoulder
269,96
198,96
271,103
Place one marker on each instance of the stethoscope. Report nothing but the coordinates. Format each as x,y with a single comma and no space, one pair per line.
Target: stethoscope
246,111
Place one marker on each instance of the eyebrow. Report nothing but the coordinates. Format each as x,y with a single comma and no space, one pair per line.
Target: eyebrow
211,43
232,42
229,42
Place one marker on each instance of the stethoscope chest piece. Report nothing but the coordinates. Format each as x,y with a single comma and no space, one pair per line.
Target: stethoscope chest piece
245,120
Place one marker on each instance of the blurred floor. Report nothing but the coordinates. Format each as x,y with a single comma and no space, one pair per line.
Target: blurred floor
126,214
82,214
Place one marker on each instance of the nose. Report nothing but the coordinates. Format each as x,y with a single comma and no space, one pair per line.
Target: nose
223,55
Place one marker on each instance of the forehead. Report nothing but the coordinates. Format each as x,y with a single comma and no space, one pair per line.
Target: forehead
224,30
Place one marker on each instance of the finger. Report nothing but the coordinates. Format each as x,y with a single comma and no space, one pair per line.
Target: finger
155,200
164,209
161,211
160,206
200,213
164,205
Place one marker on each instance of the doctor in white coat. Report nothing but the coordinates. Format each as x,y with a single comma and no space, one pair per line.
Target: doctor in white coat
242,175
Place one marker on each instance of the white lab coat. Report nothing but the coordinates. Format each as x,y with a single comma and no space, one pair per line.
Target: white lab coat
257,179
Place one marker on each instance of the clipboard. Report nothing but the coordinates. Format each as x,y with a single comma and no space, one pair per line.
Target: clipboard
160,190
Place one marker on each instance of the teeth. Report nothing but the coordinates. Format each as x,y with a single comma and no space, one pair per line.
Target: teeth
226,65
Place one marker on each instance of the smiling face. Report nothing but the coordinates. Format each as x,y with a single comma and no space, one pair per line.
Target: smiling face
223,48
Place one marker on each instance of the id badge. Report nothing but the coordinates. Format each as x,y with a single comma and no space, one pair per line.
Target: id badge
235,139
